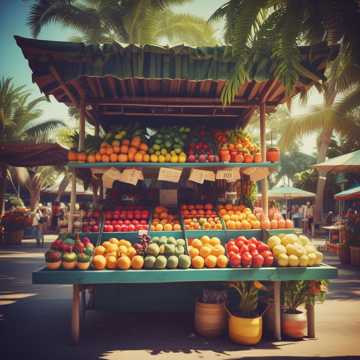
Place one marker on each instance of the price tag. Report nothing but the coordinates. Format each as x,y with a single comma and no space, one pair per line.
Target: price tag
197,176
110,176
256,174
130,176
230,175
208,175
171,175
142,232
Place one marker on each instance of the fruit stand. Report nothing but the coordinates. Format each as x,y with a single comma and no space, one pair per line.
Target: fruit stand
176,88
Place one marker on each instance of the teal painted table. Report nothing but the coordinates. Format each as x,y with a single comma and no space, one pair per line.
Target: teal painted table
84,281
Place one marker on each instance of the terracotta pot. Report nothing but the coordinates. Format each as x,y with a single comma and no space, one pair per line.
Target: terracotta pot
69,265
83,265
210,319
53,265
245,331
294,325
273,154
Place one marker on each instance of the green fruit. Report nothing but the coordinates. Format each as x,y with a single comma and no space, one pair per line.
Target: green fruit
160,262
178,150
84,258
168,144
89,250
172,262
184,261
155,239
180,242
162,249
179,250
69,241
149,262
169,249
153,249
156,147
172,240
69,257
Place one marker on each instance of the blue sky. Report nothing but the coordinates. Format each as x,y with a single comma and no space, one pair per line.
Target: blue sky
12,63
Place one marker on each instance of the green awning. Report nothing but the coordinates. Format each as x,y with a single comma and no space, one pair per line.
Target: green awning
353,193
348,162
289,192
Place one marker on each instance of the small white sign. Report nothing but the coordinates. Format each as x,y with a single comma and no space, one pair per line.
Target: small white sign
170,175
197,176
209,175
230,175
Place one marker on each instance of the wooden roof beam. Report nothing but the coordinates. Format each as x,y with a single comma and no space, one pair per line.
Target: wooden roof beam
180,115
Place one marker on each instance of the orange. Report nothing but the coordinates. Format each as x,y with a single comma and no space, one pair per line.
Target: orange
98,156
143,147
136,141
99,262
116,149
110,253
123,262
222,261
103,150
91,158
197,262
109,151
137,262
214,241
111,262
127,243
106,244
205,251
138,157
114,241
205,239
131,252
105,158
100,250
125,142
115,143
168,227
177,227
193,251
113,157
122,158
218,250
196,243
146,158
159,227
124,149
131,155
210,261
123,250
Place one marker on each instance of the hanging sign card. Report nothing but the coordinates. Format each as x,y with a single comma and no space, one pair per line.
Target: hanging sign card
230,175
130,176
170,175
208,175
110,176
197,176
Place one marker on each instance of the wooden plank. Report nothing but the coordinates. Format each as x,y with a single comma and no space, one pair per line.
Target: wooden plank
277,310
310,315
72,201
75,315
190,275
155,114
82,125
264,182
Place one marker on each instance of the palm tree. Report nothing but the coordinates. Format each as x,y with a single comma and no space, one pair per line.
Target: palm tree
19,121
126,21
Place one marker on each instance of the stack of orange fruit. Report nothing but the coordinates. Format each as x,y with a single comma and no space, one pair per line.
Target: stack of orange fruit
116,254
133,150
165,220
238,217
207,252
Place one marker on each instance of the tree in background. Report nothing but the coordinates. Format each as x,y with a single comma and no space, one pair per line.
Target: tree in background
126,21
20,122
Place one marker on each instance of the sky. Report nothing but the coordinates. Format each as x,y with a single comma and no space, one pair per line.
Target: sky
12,63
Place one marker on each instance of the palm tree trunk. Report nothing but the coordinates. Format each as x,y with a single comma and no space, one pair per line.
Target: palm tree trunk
62,187
34,198
3,177
324,141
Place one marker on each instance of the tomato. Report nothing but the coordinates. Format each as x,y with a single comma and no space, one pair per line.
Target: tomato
231,253
244,248
257,261
243,238
230,243
235,260
239,243
254,252
268,260
246,259
233,248
252,247
265,253
262,247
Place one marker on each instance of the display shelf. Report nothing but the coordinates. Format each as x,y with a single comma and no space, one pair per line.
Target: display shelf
170,165
45,276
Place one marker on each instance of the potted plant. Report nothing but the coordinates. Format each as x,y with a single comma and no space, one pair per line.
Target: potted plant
295,294
14,223
210,314
83,261
53,259
245,315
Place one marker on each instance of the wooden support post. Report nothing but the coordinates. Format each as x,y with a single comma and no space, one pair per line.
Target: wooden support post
264,182
97,129
310,315
72,201
277,311
75,317
82,126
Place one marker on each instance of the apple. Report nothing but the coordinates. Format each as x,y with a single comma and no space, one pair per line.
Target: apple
268,260
257,261
95,228
117,228
235,260
124,228
246,259
132,227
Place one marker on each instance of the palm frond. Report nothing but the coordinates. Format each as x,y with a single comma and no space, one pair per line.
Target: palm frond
349,103
34,132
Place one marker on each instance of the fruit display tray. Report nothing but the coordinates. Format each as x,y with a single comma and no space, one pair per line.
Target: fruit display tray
45,276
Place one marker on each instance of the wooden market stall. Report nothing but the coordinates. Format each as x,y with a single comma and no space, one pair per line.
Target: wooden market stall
161,85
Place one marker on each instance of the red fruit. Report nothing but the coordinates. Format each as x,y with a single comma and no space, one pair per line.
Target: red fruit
239,243
136,222
123,215
246,259
114,222
129,215
262,247
95,228
231,253
266,253
144,214
117,228
233,248
244,248
230,242
235,260
268,260
127,222
124,228
252,247
257,261
243,238
254,252
137,214
132,227
116,215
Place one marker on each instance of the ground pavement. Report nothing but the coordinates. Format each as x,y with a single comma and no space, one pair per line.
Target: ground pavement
35,324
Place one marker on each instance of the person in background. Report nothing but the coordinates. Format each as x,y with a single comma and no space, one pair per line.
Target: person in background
38,225
55,214
309,215
330,218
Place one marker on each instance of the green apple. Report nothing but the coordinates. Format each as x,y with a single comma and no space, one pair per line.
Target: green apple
273,241
312,259
304,260
293,260
279,249
283,260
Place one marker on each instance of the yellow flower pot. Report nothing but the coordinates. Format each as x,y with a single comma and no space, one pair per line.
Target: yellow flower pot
245,331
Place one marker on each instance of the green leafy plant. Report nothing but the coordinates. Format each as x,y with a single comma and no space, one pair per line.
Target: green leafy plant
297,293
213,295
248,292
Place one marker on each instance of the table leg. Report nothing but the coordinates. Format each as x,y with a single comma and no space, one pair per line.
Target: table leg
310,315
277,311
75,318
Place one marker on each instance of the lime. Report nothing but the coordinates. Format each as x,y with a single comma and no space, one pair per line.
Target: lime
163,151
158,153
156,147
177,150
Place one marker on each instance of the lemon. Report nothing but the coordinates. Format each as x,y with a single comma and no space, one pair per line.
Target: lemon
174,158
153,158
163,151
161,158
182,158
167,157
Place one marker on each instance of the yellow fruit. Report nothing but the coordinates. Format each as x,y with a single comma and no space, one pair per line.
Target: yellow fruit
193,251
124,242
123,250
131,252
137,262
218,250
123,262
111,262
106,244
111,248
159,227
205,251
114,241
153,158
197,262
161,158
168,227
215,241
177,227
222,261
210,261
182,158
99,262
197,243
205,239
99,250
167,157
174,158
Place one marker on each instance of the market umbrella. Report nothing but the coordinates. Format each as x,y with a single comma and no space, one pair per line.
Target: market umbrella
353,193
347,162
289,192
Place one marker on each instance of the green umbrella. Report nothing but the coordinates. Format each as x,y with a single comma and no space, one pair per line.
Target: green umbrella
353,193
288,193
348,162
